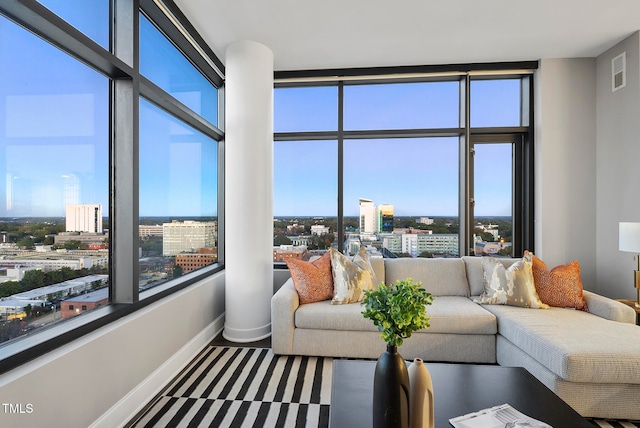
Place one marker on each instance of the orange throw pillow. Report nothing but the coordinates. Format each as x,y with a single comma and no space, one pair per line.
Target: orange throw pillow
313,280
560,286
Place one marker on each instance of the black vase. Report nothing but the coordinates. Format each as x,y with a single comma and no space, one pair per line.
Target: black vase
391,391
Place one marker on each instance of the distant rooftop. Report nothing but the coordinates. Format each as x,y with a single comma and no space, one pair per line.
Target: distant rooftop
92,297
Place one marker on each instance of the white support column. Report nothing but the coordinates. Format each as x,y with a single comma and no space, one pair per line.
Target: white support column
248,191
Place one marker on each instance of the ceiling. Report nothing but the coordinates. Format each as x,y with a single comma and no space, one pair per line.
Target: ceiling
304,34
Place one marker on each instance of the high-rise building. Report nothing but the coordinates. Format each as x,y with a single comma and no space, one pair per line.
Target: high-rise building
385,218
188,236
84,218
368,222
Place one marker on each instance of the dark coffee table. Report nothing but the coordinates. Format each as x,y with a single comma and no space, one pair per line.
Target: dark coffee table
459,389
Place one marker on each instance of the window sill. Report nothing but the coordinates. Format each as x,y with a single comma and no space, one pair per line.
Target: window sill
31,346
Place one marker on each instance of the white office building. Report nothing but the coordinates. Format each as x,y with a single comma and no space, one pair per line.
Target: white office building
319,229
84,218
410,244
188,236
439,243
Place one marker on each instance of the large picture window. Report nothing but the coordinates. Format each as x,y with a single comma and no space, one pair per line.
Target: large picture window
178,198
54,184
109,166
424,167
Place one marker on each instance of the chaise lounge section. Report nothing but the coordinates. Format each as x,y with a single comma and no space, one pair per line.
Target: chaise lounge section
590,359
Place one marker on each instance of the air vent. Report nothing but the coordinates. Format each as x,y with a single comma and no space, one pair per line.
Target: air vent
619,72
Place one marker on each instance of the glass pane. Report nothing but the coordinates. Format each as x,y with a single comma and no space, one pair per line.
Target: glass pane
402,106
90,17
495,102
54,184
415,181
306,109
305,197
493,188
165,66
178,197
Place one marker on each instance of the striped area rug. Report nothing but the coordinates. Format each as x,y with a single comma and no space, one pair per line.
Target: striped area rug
245,387
252,388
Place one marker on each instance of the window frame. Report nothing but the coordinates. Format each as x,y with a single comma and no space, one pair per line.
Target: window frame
120,64
523,191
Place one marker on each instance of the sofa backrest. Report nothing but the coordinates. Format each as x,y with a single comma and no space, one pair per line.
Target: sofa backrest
439,276
377,263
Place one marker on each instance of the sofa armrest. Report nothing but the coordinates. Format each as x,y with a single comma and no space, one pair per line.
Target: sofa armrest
609,308
283,308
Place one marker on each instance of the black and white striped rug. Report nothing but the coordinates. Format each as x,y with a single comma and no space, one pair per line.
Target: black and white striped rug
252,388
245,387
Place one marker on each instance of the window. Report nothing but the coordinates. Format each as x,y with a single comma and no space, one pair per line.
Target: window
92,18
54,175
313,108
496,102
168,68
493,201
410,175
410,178
178,195
305,194
402,106
77,109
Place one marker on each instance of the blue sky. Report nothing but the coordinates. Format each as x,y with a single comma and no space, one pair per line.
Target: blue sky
54,128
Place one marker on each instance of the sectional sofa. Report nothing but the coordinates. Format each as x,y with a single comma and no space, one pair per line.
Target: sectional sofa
590,359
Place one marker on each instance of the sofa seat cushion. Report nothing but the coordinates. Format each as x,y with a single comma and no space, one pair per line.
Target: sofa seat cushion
440,277
448,314
575,345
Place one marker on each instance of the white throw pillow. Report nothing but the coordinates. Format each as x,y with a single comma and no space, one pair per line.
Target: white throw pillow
351,277
512,286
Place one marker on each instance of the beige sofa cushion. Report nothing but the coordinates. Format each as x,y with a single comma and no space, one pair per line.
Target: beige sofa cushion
440,277
575,345
448,314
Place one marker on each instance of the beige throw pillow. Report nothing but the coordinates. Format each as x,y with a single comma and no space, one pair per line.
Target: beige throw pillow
512,286
351,277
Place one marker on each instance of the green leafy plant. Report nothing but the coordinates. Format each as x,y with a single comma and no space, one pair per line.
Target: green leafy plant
398,309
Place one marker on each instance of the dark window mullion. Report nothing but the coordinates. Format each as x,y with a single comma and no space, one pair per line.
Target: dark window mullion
157,96
33,16
124,164
340,219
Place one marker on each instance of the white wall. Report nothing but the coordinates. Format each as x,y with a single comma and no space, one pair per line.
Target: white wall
618,169
565,164
108,375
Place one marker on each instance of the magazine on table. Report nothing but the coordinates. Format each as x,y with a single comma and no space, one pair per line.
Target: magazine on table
503,416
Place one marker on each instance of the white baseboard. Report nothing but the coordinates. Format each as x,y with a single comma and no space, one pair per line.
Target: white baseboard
132,403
